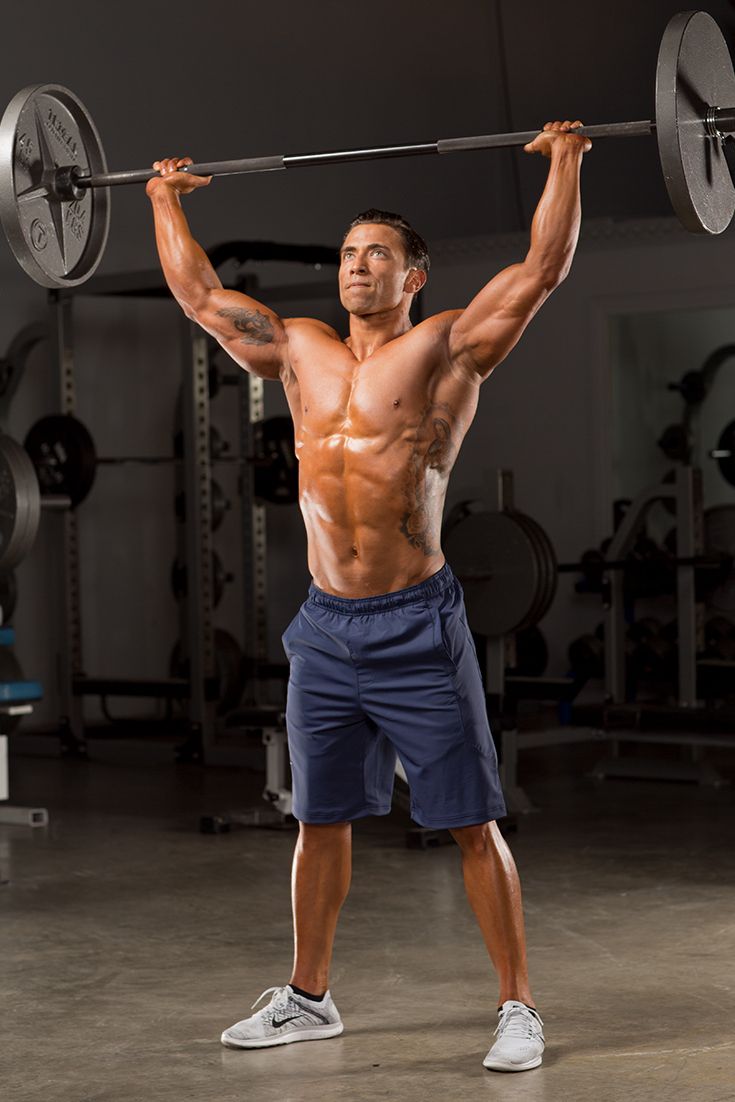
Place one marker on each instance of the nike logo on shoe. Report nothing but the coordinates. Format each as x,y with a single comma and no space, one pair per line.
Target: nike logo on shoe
283,1021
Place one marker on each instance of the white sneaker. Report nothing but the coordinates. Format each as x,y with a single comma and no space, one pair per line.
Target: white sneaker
520,1043
288,1017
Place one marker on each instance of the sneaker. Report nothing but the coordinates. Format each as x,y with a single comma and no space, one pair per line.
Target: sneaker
287,1017
520,1043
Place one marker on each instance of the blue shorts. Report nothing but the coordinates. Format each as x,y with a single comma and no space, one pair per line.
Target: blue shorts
376,677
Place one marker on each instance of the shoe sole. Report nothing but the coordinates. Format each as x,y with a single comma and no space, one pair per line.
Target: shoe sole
320,1034
514,1067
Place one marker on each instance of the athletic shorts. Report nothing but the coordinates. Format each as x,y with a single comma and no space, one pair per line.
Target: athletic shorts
376,677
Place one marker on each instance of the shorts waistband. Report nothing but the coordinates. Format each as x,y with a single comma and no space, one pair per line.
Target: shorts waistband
384,602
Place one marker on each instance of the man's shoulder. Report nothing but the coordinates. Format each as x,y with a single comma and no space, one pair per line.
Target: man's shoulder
309,327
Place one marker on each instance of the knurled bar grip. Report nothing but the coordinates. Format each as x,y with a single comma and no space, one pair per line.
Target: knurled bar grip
445,145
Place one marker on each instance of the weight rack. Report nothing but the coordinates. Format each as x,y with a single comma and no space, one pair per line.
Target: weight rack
195,534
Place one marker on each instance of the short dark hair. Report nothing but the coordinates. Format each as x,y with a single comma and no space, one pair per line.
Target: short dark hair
417,252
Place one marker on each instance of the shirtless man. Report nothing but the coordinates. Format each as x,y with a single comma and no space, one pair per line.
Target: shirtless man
382,661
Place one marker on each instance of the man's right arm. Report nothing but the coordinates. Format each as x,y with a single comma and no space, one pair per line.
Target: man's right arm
252,334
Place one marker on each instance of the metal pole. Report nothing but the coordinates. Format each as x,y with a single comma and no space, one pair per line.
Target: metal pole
640,128
69,659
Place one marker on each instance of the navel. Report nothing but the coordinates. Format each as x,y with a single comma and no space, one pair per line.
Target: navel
396,402
355,552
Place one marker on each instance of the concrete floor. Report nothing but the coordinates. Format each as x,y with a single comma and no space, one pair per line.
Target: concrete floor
129,941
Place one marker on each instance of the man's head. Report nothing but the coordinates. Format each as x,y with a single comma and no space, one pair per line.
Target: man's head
383,263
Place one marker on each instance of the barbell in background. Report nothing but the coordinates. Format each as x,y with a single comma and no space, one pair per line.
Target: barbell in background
55,187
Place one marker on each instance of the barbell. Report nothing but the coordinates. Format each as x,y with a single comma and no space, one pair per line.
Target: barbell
55,186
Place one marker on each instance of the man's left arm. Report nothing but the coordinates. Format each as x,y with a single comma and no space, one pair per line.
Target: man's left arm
486,331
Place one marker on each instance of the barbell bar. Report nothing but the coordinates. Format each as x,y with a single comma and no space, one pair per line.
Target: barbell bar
55,186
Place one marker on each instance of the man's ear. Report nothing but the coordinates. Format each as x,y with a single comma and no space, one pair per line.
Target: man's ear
415,280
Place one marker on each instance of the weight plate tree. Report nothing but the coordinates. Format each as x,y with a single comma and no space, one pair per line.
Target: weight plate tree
54,184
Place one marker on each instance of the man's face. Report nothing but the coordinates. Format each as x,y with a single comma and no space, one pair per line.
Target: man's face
374,275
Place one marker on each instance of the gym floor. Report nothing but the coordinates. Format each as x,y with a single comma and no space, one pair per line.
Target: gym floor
130,940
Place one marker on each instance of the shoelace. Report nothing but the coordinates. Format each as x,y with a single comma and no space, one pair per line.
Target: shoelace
275,991
519,1021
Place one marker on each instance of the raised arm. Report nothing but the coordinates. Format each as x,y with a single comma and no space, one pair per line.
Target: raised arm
252,334
485,332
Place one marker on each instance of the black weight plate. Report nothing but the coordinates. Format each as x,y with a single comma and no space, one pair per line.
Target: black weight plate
219,505
498,567
547,568
276,476
179,580
536,604
724,444
230,669
20,504
550,560
694,72
532,654
64,456
58,242
719,538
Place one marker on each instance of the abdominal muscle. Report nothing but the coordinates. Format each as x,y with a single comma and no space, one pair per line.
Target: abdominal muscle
372,510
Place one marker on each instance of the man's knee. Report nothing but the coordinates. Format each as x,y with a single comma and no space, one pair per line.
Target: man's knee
478,838
324,834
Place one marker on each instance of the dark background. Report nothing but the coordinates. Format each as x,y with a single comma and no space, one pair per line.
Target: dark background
230,79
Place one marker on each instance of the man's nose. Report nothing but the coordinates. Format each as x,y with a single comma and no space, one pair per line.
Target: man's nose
358,265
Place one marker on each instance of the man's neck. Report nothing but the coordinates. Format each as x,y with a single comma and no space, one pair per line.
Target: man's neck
370,332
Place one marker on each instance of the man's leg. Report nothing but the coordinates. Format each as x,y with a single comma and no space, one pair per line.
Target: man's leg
322,869
494,892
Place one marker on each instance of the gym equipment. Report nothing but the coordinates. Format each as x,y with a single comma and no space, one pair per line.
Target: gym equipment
719,539
724,453
587,655
20,504
54,183
531,654
220,578
64,455
507,567
276,466
220,505
230,666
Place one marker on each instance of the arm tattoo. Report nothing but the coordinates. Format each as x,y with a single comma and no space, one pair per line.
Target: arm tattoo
419,523
257,327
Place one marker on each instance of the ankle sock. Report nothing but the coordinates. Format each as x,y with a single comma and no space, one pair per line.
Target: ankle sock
307,994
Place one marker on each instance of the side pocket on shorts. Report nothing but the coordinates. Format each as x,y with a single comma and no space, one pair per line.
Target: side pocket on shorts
287,632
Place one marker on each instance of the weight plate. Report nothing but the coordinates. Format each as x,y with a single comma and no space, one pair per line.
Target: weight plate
20,504
694,72
276,476
547,595
719,538
726,443
498,565
220,505
58,242
537,603
180,585
230,665
64,456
